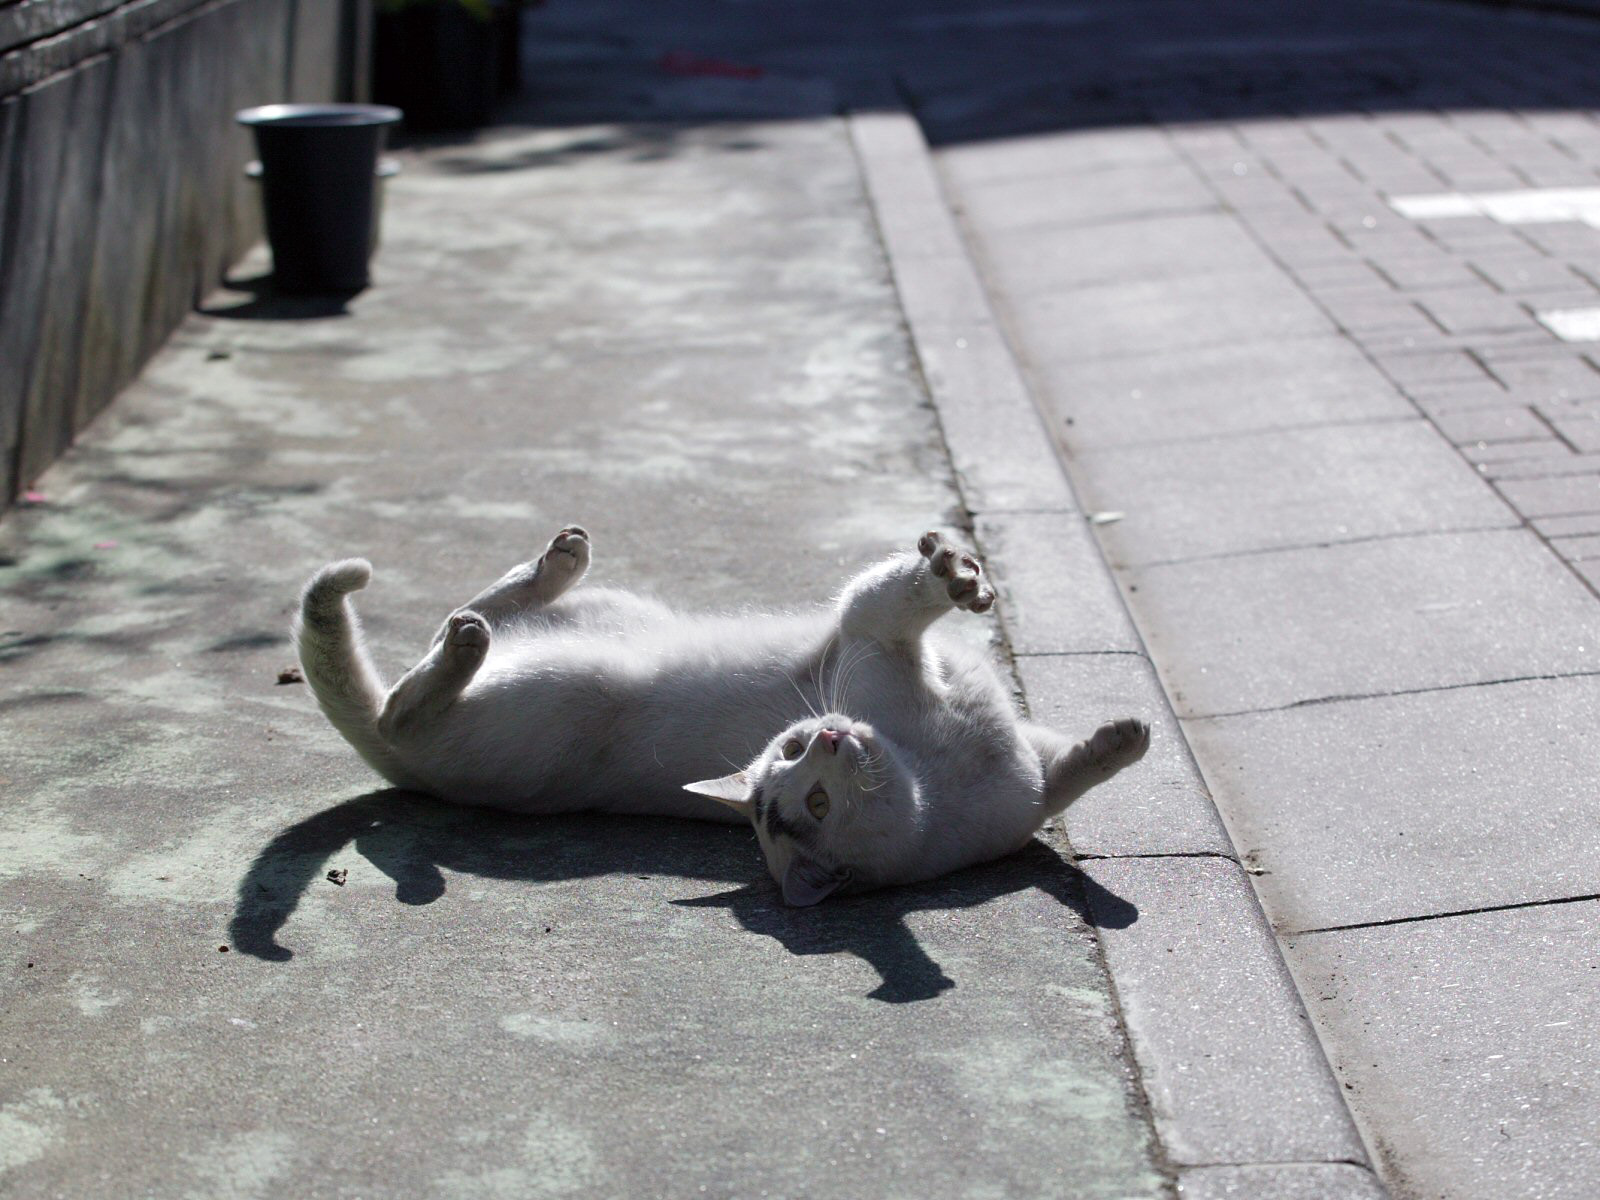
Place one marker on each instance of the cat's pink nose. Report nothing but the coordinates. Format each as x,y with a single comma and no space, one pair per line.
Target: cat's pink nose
831,739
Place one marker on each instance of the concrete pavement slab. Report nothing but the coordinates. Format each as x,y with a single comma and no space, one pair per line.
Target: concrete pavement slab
1075,196
1045,259
1232,1067
1263,491
1044,155
1161,808
476,1004
1174,314
1215,390
1368,618
1468,1045
1348,821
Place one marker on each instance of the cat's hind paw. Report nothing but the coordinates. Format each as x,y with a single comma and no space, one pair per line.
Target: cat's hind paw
1116,744
568,551
966,583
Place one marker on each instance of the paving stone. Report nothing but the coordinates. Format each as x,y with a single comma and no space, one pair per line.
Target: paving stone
1525,274
1301,241
1576,549
1452,370
1569,374
1553,497
1159,806
1281,1181
1270,630
1551,527
1175,314
1367,313
1231,1066
1216,390
1055,594
1356,823
1559,461
1488,458
1476,310
1334,277
1260,491
1422,273
1467,1047
1581,428
1511,422
1562,238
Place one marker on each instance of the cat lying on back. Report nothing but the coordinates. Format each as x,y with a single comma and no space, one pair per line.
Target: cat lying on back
869,757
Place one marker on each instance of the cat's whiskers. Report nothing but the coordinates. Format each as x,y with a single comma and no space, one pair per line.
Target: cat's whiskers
846,673
803,699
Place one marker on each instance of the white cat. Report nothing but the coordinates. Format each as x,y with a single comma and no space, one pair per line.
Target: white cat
869,757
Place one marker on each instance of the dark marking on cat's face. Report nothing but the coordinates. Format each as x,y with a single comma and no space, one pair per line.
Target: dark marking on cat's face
830,802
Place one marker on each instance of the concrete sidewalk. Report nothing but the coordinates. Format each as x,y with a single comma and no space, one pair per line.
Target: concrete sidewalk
1343,474
236,969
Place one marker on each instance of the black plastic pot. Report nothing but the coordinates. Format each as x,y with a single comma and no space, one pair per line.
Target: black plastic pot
319,168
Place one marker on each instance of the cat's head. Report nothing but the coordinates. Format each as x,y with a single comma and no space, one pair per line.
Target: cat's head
832,804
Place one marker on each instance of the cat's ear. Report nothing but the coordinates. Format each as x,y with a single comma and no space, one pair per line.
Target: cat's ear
733,790
807,882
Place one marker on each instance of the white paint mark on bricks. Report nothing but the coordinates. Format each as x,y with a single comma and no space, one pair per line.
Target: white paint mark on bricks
1572,324
1526,206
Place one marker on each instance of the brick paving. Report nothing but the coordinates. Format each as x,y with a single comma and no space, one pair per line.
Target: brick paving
1444,307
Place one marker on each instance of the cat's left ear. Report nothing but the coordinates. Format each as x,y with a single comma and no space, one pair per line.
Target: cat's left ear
807,882
733,790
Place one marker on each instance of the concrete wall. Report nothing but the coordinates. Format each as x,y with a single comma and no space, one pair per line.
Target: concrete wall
121,194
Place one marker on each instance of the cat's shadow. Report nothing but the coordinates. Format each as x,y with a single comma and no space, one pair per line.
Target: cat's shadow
413,840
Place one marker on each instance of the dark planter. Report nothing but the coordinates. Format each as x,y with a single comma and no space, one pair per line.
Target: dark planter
319,168
439,63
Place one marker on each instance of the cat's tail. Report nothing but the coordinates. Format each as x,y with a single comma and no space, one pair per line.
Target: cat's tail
333,656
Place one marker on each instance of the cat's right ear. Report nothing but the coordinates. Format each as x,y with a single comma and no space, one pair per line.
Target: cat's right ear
733,790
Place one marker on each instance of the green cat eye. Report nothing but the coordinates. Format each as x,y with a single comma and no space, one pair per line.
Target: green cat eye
792,748
817,804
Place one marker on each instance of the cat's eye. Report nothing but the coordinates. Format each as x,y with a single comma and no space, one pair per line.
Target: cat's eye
792,748
817,803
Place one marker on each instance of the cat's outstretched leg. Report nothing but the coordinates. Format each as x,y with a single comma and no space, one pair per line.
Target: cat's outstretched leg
1069,772
897,600
531,584
428,688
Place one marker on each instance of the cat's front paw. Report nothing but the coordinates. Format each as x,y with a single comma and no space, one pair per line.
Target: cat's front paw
568,550
965,581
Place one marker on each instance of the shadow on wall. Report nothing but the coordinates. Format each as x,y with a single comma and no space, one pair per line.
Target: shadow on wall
410,838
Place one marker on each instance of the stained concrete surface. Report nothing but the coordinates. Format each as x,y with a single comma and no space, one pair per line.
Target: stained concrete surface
683,335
